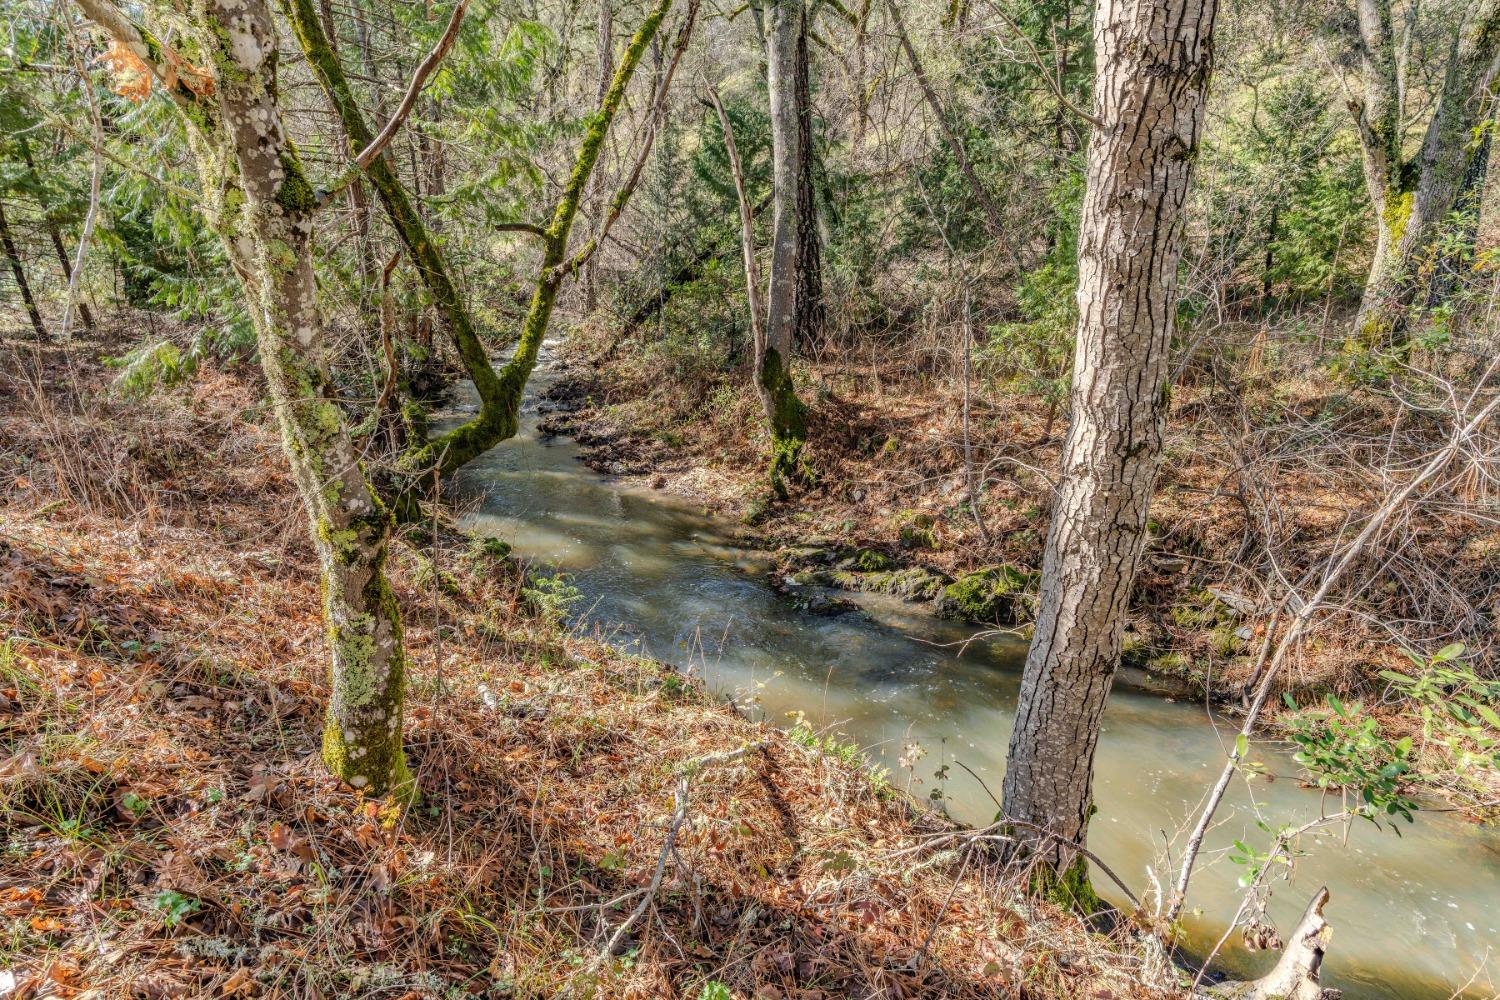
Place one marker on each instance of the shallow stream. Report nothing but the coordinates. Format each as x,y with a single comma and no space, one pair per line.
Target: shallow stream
1414,916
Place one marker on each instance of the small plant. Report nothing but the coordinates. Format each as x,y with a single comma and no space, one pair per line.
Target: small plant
1343,750
136,805
491,548
1460,711
715,990
550,597
174,907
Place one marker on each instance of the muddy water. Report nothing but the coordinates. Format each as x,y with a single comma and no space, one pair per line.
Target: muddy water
1414,915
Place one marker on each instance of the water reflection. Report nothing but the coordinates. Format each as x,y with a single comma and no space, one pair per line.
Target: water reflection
1413,916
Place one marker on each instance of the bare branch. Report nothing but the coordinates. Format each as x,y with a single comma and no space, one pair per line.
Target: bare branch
366,156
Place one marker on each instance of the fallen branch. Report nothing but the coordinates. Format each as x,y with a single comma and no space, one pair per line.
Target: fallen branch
685,774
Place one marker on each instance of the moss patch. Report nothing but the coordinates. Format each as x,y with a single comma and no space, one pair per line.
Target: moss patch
1000,595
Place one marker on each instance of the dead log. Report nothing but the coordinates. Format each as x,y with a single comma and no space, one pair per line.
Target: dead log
1296,976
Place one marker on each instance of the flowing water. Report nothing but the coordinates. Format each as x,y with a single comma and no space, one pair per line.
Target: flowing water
1414,916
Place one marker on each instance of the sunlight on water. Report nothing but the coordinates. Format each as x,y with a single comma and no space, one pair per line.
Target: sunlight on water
1413,916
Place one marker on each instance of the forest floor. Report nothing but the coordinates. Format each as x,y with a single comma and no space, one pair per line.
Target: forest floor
889,508
169,830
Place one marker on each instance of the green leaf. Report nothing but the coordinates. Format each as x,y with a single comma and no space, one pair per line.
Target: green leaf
1452,651
1241,746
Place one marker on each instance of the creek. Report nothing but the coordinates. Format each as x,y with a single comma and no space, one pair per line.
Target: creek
1414,916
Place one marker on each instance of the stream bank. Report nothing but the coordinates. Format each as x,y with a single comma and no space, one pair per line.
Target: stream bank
890,513
920,695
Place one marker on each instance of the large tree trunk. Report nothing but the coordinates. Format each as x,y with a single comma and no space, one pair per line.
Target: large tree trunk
19,272
1412,201
784,411
350,526
1153,60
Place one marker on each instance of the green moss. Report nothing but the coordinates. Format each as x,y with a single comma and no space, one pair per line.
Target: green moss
1071,889
1397,214
373,713
869,561
788,425
1000,595
917,530
294,194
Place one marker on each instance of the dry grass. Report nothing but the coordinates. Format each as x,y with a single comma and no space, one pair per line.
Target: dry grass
169,831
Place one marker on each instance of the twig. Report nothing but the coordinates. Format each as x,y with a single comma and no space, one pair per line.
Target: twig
658,111
685,774
1300,620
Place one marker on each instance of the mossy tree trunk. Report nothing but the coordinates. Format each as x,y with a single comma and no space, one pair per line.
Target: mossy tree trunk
1413,199
499,392
1151,82
785,414
351,527
258,200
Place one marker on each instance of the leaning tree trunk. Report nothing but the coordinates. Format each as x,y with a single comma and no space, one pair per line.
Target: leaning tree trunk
773,375
19,272
1153,60
351,528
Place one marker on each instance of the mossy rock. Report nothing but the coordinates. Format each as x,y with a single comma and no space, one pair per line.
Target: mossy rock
491,547
808,555
1000,595
916,530
914,583
813,578
868,561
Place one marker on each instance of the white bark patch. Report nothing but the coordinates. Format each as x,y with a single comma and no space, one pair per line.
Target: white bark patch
244,46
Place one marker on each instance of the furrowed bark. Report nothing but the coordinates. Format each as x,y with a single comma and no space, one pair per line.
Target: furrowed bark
784,411
808,324
1151,81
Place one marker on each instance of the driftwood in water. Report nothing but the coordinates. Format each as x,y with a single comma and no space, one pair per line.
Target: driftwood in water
1296,975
